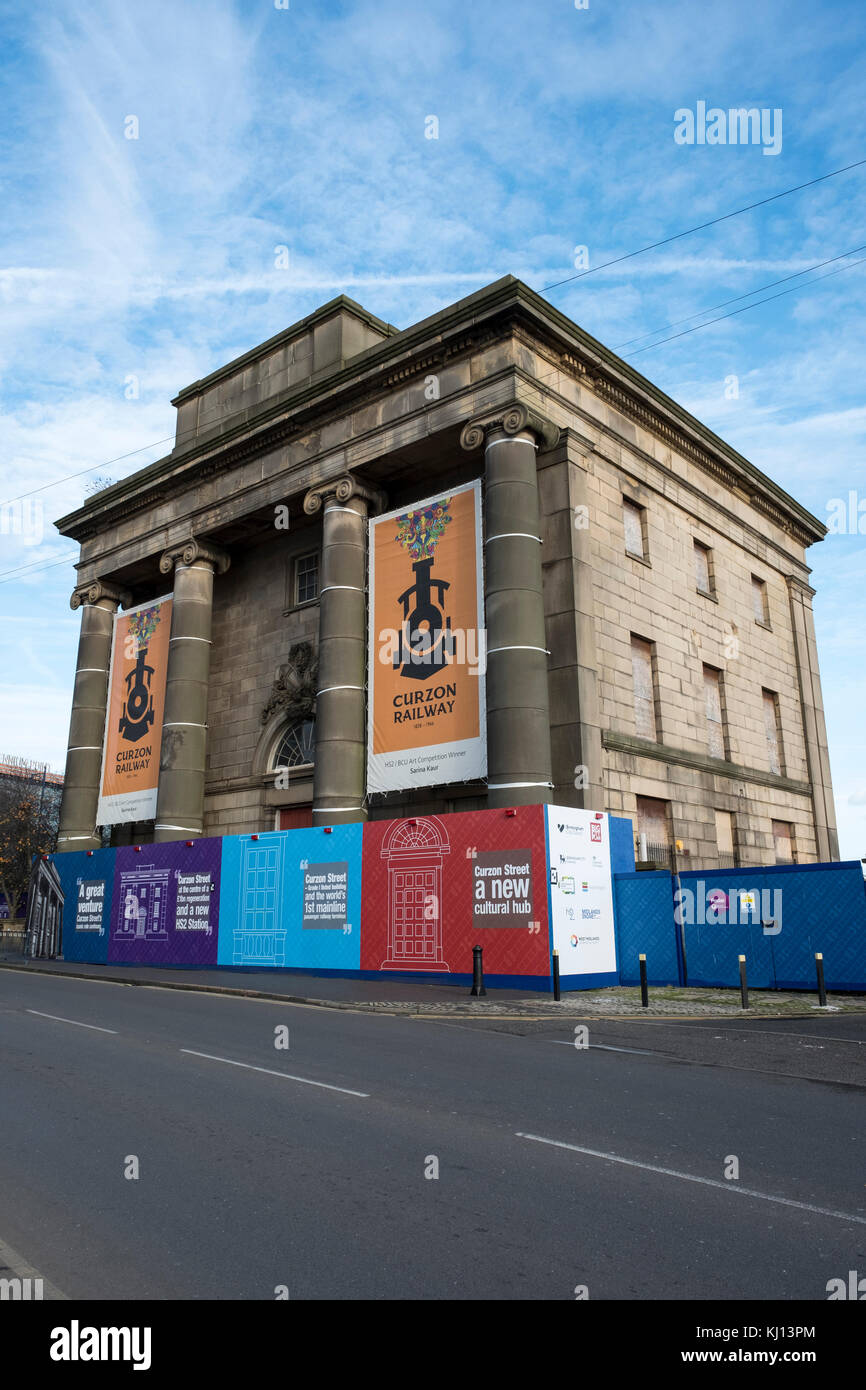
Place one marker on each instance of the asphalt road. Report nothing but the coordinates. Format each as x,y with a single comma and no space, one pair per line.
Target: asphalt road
558,1167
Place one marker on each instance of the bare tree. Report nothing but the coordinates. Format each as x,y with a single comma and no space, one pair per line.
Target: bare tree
29,817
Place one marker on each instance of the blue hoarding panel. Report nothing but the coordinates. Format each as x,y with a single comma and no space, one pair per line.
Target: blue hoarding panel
778,917
88,884
643,905
292,898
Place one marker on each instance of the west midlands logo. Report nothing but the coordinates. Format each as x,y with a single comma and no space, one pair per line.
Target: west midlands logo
137,714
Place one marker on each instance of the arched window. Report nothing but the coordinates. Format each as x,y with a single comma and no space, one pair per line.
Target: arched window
297,747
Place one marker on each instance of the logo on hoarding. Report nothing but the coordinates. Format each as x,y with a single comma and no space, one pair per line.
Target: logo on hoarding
137,714
425,641
595,831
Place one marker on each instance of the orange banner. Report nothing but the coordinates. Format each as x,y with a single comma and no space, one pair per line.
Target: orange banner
133,726
427,652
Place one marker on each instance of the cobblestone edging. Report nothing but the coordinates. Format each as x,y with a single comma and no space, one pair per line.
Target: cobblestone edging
598,1009
614,1003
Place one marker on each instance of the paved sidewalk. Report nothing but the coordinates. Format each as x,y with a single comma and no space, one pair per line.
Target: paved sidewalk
422,998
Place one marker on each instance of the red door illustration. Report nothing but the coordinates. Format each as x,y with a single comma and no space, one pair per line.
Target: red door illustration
414,850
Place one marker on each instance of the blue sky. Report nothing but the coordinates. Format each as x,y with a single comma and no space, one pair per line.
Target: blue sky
304,127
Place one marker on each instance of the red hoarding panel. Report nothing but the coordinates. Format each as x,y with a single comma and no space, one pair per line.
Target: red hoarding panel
435,886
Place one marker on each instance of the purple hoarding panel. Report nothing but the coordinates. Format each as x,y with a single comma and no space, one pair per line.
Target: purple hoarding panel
166,904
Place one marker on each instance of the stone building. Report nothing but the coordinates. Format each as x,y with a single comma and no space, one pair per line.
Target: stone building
654,656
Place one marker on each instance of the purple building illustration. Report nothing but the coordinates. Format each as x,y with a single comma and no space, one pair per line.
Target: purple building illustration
143,897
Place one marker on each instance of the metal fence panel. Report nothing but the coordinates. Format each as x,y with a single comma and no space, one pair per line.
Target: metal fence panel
643,904
810,907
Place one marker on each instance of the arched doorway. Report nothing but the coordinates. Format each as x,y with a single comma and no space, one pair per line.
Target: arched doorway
415,850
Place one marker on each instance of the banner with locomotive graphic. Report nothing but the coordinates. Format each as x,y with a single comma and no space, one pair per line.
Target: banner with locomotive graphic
427,648
133,725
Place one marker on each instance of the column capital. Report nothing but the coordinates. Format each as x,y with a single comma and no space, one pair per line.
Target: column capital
343,490
511,418
99,589
192,551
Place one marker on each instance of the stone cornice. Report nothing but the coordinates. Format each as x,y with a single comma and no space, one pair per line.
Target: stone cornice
796,585
613,394
719,767
504,310
192,552
299,411
343,489
98,590
512,419
602,370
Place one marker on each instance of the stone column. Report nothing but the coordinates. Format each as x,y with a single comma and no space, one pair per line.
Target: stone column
800,596
341,700
99,603
518,714
180,798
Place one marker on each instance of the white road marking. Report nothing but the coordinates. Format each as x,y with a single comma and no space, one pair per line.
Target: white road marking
692,1177
602,1047
74,1021
286,1076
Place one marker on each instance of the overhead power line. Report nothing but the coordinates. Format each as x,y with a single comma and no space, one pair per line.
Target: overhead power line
37,568
759,289
762,202
793,290
6,576
69,477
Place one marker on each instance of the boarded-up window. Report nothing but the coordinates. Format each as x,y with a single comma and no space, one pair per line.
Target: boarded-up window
759,600
783,842
702,568
633,524
771,729
725,835
652,823
644,700
713,701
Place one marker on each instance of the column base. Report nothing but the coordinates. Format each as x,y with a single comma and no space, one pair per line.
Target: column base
70,841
